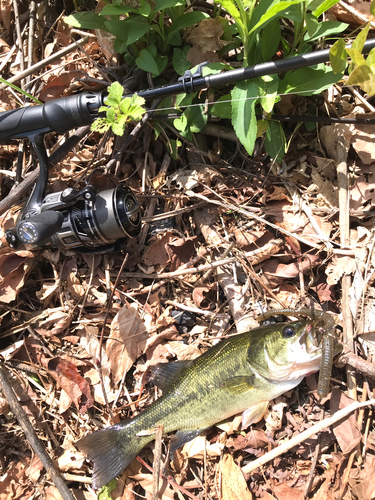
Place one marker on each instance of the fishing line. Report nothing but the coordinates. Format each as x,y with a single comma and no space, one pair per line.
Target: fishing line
288,118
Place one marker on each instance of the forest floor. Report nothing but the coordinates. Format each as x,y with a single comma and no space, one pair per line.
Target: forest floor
225,237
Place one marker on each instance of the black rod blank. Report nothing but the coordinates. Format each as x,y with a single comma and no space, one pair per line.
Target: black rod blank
237,75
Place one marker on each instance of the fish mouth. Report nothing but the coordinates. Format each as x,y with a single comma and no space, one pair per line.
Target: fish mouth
309,339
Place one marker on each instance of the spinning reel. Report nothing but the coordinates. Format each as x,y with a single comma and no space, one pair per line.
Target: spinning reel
86,220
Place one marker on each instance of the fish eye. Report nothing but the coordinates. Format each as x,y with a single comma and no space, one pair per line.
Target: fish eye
288,332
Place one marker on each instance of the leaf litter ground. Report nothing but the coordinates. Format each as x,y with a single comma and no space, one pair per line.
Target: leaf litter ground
225,237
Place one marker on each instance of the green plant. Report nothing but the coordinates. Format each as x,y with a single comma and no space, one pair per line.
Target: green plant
144,33
257,30
119,111
362,70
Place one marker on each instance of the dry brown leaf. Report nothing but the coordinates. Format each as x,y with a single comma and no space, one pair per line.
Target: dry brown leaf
180,251
339,265
52,493
198,446
276,272
5,12
74,385
204,297
346,430
285,492
195,56
70,460
256,438
233,484
4,406
157,253
362,480
166,492
10,351
14,266
127,341
34,469
57,85
14,484
207,36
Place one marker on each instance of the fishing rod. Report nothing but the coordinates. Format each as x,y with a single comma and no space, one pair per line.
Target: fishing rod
90,219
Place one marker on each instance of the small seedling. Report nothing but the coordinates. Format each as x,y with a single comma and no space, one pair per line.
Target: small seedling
119,111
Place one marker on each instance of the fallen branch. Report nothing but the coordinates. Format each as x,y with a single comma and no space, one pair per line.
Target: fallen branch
31,436
315,429
268,249
360,364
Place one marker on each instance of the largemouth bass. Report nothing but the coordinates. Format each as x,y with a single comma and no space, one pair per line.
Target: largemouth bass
243,372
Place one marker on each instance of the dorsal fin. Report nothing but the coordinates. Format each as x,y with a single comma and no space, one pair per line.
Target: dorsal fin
164,374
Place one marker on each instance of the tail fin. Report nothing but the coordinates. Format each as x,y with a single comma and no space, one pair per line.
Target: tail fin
111,450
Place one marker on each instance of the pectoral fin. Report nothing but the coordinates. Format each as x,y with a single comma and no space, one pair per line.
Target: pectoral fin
254,414
239,385
164,374
183,437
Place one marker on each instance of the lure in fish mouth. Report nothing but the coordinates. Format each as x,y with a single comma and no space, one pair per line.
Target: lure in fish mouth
243,372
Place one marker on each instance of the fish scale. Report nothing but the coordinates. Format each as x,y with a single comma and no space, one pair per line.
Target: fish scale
241,373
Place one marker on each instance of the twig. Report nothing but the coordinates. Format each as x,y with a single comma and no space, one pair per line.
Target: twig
157,460
30,43
194,310
294,441
344,221
360,364
205,267
18,33
247,212
36,67
310,479
170,480
152,204
32,437
99,361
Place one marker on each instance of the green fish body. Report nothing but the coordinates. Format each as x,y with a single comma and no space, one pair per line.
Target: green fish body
243,372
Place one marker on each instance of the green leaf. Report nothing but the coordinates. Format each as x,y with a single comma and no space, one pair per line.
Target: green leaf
105,492
270,39
232,10
325,29
364,77
338,56
180,63
115,92
86,20
223,107
245,96
116,10
185,21
14,87
193,120
361,38
111,115
167,4
312,24
308,81
274,11
372,8
154,64
275,142
370,61
212,68
356,56
128,30
322,7
267,87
